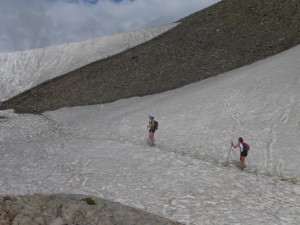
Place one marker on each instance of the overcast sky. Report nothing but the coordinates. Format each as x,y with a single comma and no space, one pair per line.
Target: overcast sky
27,24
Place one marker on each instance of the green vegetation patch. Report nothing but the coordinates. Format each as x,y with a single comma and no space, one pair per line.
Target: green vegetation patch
89,201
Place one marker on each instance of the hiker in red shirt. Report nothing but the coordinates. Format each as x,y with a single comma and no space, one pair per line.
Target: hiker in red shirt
244,147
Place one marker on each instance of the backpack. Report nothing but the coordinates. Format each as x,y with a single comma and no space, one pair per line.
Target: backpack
246,146
155,124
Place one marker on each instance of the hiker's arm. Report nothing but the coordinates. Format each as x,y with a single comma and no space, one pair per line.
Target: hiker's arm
235,146
151,124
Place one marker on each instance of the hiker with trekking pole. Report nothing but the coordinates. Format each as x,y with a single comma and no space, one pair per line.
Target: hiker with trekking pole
153,125
244,148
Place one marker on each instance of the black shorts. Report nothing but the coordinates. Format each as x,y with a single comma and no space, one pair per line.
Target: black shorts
244,153
152,130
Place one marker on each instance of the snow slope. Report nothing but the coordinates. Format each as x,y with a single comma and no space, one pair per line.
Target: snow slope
101,150
20,71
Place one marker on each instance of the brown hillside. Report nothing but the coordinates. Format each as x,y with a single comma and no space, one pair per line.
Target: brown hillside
225,36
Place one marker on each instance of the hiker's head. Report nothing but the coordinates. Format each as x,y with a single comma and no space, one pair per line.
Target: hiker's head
151,117
241,139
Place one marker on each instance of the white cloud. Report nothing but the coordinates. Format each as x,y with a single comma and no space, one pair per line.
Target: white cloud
27,24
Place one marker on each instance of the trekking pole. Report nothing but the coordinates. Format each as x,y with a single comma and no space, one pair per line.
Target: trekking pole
146,132
229,154
147,136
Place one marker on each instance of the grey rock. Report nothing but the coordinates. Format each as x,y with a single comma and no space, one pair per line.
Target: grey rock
61,209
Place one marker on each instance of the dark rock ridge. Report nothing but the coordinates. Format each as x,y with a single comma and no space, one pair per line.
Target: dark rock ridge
62,209
223,37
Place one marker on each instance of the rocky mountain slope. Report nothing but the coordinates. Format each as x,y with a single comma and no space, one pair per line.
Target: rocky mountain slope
220,38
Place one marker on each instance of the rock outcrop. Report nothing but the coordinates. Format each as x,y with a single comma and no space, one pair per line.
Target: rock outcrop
63,209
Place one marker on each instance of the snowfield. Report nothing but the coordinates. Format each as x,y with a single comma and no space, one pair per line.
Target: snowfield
101,150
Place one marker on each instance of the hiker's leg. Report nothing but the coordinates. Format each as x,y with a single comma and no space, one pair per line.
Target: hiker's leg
153,140
151,137
243,161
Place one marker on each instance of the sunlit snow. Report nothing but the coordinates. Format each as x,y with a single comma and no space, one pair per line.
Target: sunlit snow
101,150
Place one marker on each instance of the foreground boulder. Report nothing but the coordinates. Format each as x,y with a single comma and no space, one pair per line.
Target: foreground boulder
62,209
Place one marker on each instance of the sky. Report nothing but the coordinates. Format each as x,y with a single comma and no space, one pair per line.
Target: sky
28,24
